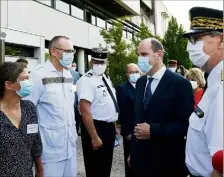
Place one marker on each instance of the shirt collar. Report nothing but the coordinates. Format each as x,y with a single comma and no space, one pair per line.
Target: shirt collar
216,74
133,84
159,74
52,68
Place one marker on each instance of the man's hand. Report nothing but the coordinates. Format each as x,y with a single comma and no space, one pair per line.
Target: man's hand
97,143
128,160
142,131
128,137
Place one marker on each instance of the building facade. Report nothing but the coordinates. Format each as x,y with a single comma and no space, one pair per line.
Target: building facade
30,25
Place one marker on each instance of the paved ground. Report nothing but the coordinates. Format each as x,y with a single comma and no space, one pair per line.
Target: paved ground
118,162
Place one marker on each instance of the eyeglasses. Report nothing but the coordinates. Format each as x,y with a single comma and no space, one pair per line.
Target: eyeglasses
66,51
194,38
133,72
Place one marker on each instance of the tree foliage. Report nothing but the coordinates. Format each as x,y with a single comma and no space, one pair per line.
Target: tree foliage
119,55
122,52
47,56
175,45
144,32
12,51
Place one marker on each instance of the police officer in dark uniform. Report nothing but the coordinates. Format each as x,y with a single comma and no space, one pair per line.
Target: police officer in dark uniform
99,111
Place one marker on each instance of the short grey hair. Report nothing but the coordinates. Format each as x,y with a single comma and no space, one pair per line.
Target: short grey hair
156,45
132,64
55,42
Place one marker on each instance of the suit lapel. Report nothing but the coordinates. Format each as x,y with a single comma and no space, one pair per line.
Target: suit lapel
131,90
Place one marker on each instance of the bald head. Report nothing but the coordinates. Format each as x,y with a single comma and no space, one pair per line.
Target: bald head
152,44
152,50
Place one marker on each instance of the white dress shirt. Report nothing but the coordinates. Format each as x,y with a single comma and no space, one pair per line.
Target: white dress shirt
156,78
205,135
92,88
133,84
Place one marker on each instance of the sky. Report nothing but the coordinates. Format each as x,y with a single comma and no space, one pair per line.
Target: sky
180,9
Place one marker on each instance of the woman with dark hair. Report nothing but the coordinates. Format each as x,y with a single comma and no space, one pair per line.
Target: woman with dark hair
20,142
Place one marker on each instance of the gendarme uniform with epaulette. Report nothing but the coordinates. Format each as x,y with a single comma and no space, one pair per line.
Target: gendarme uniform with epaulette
205,133
92,88
100,93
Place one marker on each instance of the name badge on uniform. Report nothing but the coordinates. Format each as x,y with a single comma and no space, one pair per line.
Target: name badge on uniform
32,128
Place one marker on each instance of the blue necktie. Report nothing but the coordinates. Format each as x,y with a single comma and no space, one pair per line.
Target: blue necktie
148,93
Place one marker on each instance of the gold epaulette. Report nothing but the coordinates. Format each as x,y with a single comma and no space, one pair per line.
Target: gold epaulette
206,23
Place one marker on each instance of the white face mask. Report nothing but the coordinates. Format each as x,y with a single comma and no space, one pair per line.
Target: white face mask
73,68
99,69
173,69
194,84
196,54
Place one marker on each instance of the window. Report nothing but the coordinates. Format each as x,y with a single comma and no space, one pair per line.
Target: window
124,33
88,17
47,2
62,6
109,26
100,22
18,50
93,20
129,35
77,12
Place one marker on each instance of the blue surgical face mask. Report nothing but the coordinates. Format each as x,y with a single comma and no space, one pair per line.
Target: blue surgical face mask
143,63
26,87
67,59
134,77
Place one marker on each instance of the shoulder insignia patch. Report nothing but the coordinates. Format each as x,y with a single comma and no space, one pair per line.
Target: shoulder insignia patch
88,74
99,86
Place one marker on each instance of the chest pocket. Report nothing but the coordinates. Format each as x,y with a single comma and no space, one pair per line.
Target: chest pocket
102,94
196,134
71,91
54,96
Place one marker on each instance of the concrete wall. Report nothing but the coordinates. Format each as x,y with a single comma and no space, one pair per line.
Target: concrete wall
32,62
132,6
161,23
148,3
31,23
30,16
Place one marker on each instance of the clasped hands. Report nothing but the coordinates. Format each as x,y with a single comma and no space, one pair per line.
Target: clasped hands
142,131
